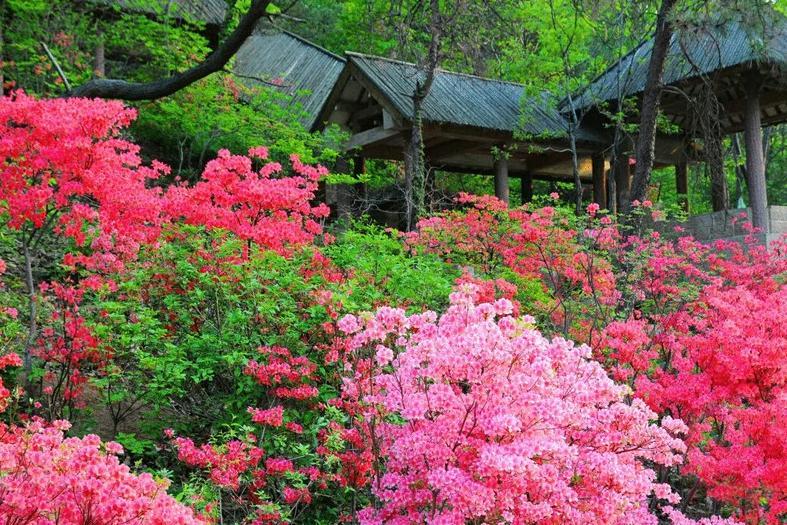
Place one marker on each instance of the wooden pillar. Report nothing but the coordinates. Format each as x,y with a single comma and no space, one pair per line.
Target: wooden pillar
599,180
99,60
501,179
755,163
526,180
682,183
343,193
623,181
361,188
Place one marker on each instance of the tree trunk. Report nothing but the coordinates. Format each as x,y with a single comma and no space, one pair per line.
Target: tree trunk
646,143
682,184
415,163
599,181
526,185
99,59
755,162
622,180
719,192
32,307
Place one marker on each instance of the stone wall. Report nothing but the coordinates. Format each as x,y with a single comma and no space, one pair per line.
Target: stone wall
729,224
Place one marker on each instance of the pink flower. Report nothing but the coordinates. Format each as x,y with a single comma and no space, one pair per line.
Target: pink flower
272,417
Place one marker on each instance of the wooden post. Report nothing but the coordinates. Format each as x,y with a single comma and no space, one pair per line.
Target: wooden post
501,179
359,168
526,180
599,180
682,183
755,163
342,192
99,60
623,181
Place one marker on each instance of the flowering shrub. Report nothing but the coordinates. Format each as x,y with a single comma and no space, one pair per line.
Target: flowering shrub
679,321
58,157
214,308
49,478
481,419
272,212
46,477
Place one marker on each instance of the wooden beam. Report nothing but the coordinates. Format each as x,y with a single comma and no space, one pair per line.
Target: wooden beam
682,183
359,115
370,136
755,164
623,181
526,180
448,148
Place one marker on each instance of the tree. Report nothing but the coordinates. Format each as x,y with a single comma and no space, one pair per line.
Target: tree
58,157
649,109
121,89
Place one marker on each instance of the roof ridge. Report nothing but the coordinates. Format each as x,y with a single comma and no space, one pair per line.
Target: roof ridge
449,72
315,46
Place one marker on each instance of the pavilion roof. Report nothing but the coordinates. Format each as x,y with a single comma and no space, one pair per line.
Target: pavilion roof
693,52
460,99
201,11
304,70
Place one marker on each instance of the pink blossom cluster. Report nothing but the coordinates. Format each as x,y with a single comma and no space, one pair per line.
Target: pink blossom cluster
481,419
48,478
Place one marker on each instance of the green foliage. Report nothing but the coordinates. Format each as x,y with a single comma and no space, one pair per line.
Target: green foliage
379,268
218,112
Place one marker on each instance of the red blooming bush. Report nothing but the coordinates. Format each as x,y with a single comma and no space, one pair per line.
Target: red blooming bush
694,329
480,419
48,478
65,168
257,205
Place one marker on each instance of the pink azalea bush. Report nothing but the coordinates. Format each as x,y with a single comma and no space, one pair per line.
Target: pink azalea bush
481,419
48,478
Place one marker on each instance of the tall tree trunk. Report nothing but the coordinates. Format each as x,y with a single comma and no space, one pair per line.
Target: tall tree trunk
415,163
646,143
32,327
99,59
719,192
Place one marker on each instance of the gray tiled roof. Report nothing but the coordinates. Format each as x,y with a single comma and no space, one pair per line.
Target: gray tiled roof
304,70
692,53
200,11
459,99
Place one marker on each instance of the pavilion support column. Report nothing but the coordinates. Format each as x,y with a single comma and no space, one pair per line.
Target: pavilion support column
599,181
99,59
623,181
361,188
755,162
526,180
343,192
682,183
501,179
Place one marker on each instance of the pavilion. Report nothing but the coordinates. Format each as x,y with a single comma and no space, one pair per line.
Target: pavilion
468,120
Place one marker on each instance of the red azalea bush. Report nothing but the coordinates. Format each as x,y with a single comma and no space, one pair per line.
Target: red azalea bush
48,478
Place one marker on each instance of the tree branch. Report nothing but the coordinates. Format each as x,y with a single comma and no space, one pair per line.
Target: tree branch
121,89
